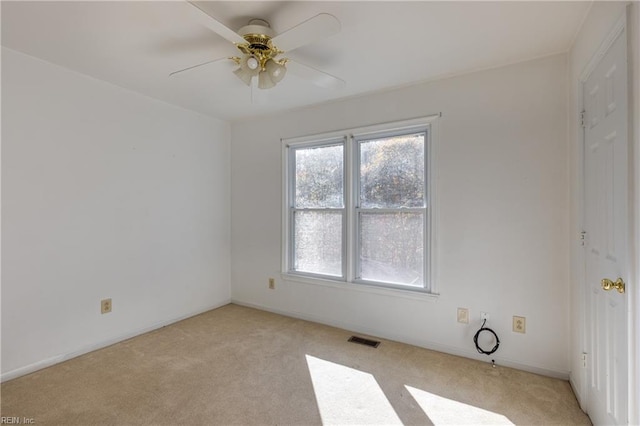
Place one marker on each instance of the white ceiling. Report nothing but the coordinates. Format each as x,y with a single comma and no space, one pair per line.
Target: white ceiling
136,45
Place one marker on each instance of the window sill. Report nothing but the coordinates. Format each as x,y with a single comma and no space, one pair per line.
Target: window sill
362,288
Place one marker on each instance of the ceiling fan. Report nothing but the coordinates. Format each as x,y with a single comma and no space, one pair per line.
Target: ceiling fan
261,49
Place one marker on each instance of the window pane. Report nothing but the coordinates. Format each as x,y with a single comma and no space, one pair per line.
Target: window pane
392,248
318,242
392,172
318,175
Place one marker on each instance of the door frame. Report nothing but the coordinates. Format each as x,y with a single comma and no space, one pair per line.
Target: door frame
631,21
633,13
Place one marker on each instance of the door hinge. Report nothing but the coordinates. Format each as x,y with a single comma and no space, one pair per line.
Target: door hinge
583,358
583,118
583,238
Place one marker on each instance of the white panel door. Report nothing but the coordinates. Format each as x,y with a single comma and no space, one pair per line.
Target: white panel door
607,232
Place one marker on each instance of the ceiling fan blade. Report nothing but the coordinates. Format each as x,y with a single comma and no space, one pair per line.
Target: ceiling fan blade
320,26
214,25
317,77
196,66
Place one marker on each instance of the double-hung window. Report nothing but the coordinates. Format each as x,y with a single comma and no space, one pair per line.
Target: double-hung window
317,212
358,206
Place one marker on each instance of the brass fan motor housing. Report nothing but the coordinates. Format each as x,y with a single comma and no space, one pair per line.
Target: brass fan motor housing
260,47
258,41
258,35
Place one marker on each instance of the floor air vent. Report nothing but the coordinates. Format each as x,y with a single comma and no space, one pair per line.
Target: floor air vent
363,341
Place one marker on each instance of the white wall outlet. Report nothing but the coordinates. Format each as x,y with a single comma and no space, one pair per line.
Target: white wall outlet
484,316
463,315
272,283
519,324
105,306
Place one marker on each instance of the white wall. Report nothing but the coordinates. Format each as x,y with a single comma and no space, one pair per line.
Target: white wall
597,25
503,209
105,193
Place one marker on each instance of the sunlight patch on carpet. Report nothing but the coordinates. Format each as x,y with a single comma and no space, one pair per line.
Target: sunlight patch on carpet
443,411
349,396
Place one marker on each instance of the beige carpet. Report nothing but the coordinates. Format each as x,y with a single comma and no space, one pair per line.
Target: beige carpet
236,365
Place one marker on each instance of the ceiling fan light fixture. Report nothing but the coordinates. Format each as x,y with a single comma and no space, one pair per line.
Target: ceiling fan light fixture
265,81
252,63
244,74
276,70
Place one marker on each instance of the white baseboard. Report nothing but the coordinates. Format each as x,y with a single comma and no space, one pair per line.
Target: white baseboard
27,369
577,392
504,362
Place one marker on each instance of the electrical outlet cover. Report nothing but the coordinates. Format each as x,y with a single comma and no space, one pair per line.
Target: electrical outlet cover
105,306
463,315
519,324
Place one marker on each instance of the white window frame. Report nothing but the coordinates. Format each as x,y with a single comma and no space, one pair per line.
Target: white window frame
350,250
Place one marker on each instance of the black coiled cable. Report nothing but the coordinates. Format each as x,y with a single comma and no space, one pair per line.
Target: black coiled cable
475,339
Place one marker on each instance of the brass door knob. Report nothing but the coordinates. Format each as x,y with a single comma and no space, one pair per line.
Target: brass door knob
618,284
